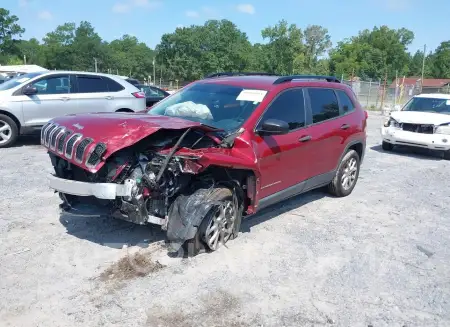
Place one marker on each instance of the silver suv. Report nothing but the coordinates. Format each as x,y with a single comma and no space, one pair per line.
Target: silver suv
29,101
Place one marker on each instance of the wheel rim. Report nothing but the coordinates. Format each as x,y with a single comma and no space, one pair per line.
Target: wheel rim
220,227
349,175
5,132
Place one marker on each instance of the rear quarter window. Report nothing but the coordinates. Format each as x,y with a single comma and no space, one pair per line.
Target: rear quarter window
345,101
113,86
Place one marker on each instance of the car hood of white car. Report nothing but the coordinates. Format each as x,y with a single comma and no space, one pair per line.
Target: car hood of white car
416,117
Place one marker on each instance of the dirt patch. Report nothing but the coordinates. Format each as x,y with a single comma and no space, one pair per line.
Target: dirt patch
220,309
129,267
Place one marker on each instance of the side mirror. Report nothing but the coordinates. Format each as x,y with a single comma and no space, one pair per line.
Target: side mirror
273,127
30,90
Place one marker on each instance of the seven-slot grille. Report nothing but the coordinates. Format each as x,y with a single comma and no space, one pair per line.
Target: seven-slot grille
79,152
61,140
95,155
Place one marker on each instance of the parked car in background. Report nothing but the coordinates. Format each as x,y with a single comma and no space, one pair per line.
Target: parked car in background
29,101
218,149
133,81
423,122
153,94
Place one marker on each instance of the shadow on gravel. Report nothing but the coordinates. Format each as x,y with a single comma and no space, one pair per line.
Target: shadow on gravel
281,208
116,233
27,140
411,152
110,232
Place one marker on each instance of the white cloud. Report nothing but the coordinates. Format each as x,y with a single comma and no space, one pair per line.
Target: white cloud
124,7
180,26
246,8
209,12
45,15
150,4
23,3
121,8
192,14
398,5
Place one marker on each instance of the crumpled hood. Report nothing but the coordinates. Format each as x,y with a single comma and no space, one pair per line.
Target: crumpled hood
120,130
416,117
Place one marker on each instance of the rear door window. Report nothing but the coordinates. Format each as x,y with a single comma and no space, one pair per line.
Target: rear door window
324,104
91,84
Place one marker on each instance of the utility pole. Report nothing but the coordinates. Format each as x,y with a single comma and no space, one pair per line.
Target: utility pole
154,70
396,88
95,63
423,66
160,78
24,59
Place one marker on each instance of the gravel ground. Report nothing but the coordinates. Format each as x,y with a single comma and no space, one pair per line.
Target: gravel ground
380,257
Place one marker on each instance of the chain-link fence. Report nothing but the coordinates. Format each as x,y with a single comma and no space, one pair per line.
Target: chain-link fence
374,95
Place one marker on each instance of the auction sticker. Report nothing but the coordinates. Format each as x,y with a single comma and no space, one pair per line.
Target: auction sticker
251,95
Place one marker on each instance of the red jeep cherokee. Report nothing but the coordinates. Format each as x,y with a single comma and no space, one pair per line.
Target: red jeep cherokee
219,149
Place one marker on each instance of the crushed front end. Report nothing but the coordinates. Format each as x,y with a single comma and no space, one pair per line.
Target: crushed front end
137,183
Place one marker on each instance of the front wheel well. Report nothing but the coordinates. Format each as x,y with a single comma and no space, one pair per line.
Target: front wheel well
243,180
10,115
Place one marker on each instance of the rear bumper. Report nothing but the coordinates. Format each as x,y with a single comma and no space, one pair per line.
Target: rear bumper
397,136
105,191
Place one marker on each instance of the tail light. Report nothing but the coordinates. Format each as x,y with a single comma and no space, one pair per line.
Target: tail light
139,95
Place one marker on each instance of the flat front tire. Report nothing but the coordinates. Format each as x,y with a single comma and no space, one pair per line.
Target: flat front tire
346,176
221,224
9,131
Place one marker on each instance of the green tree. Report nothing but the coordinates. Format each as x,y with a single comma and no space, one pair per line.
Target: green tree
192,52
372,54
285,43
10,31
57,47
33,51
441,61
131,57
317,42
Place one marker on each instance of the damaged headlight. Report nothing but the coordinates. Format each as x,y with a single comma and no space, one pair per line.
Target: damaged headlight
391,122
443,129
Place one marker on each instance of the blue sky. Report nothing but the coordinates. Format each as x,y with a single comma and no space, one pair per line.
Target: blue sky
149,19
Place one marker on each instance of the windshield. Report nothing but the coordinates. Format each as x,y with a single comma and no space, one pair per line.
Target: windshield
436,105
16,81
221,106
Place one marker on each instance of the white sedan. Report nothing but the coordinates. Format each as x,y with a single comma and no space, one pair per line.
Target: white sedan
423,122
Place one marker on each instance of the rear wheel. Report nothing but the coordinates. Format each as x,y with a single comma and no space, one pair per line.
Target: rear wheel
9,131
386,146
346,176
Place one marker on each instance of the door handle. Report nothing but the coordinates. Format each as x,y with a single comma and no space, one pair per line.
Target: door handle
109,97
64,98
305,138
345,126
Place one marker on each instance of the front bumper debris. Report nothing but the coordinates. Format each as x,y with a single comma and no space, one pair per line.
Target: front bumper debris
398,136
105,191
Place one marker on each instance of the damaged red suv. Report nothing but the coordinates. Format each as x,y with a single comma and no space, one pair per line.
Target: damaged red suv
219,149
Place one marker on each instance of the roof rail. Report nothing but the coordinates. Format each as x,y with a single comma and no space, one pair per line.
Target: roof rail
306,77
239,74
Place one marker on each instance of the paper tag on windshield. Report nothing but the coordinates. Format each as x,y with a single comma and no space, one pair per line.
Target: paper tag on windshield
447,103
23,79
251,95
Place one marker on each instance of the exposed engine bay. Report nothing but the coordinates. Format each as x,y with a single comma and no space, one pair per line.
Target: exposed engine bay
156,176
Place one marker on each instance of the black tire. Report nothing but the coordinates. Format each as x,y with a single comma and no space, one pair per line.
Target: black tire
447,155
386,146
197,245
335,187
13,131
